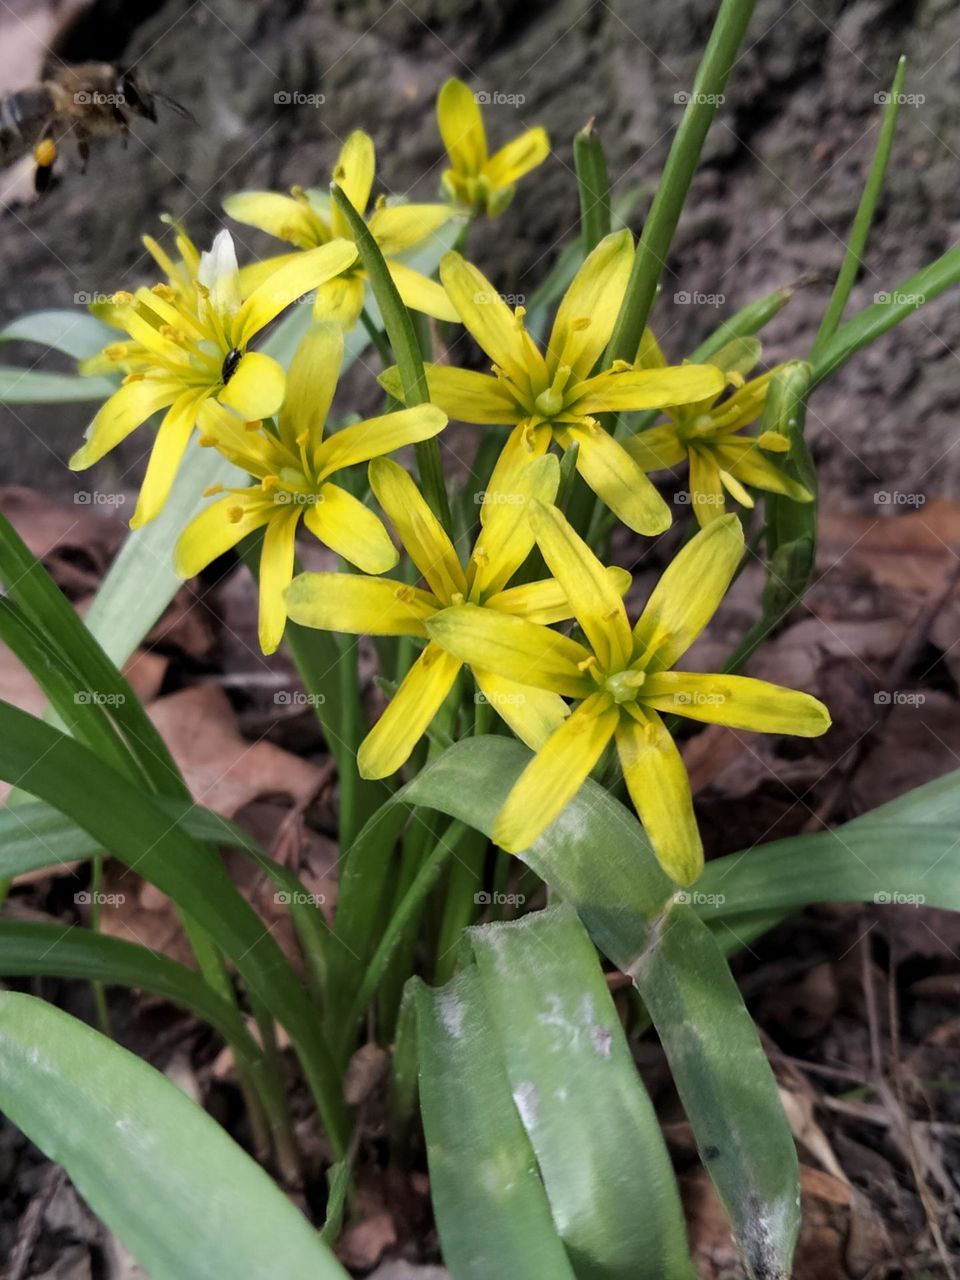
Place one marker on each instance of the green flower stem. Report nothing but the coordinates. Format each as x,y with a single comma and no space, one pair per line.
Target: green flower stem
853,258
658,230
594,187
403,339
380,344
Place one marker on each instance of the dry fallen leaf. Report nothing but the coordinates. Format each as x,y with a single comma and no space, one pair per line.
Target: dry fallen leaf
912,552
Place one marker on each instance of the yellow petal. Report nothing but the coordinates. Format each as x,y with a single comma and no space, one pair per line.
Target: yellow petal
524,445
291,281
421,695
748,464
649,355
513,648
590,306
341,521
399,227
619,481
596,604
491,322
420,531
706,487
218,528
517,157
545,601
276,571
462,394
738,701
420,293
353,174
555,774
359,606
616,392
341,300
506,537
688,594
656,448
278,215
254,274
172,439
256,388
532,714
310,384
126,410
657,780
377,436
461,127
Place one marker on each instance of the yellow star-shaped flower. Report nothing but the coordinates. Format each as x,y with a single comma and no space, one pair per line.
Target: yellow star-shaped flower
623,681
552,395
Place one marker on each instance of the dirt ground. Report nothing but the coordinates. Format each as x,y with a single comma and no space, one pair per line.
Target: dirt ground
857,1005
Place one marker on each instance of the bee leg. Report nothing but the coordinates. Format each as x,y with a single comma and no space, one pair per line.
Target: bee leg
45,157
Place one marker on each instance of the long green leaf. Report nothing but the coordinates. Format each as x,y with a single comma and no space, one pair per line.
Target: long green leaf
491,1209
185,1199
76,333
602,1157
34,386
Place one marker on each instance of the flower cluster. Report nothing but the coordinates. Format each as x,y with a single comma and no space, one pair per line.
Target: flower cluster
526,607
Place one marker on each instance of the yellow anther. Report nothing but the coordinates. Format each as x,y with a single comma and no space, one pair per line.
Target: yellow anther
456,598
773,441
212,489
122,298
579,323
116,351
134,377
269,483
303,439
587,664
253,425
207,442
404,593
235,515
164,292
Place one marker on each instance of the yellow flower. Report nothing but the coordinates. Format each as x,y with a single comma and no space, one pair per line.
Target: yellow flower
188,344
477,181
711,436
553,397
293,465
309,218
624,681
384,607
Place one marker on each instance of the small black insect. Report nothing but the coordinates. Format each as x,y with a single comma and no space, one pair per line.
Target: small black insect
230,362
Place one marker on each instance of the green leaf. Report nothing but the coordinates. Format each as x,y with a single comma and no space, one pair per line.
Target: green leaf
34,386
131,824
491,1208
182,1196
76,333
602,1157
597,857
594,185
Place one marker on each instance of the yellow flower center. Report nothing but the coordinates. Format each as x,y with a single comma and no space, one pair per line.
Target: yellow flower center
624,685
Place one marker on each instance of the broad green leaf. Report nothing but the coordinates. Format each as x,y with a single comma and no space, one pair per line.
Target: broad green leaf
76,333
34,386
602,1157
130,823
596,857
187,1202
492,1213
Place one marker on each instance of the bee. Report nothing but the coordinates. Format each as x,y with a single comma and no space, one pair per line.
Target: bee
88,100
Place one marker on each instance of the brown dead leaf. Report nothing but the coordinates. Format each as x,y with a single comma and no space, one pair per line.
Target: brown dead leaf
364,1243
912,552
222,769
74,540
